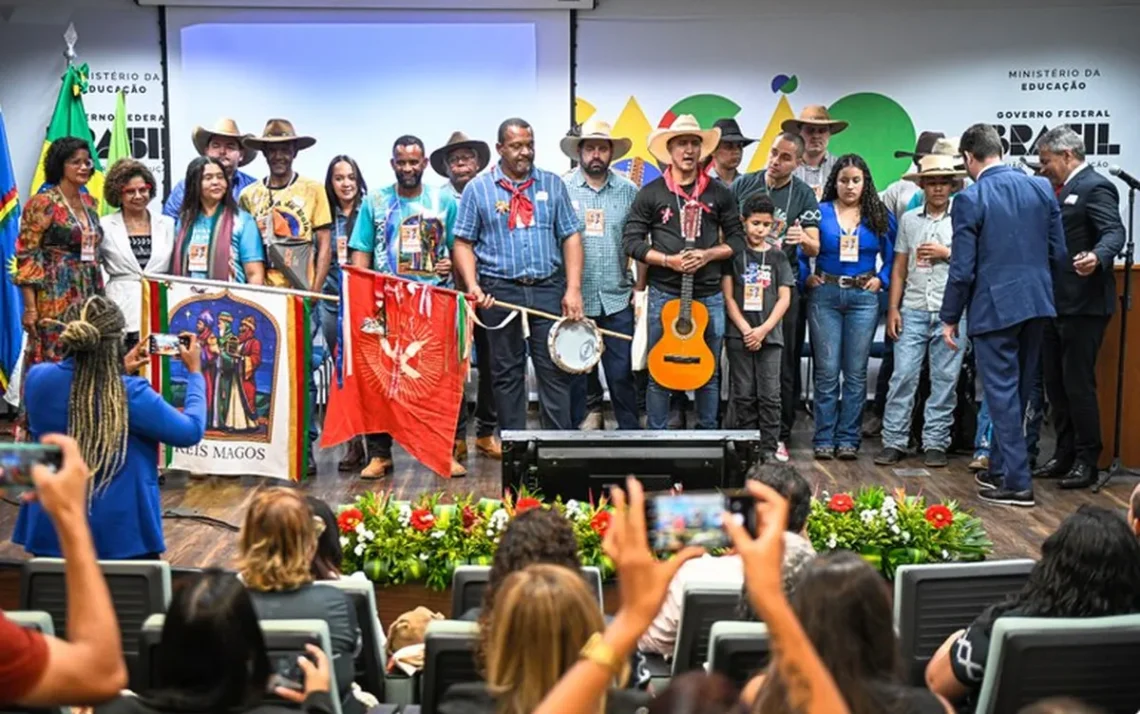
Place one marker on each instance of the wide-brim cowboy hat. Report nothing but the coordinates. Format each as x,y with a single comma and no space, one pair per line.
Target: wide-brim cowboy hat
459,140
817,115
684,125
935,166
730,131
598,130
278,131
228,128
922,147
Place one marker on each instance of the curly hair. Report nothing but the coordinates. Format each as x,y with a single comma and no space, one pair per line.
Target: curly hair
57,155
277,541
872,210
119,175
1089,567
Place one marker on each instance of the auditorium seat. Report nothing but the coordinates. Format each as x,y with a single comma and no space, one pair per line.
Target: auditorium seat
738,650
32,620
701,606
449,658
470,582
139,589
371,661
934,601
1090,659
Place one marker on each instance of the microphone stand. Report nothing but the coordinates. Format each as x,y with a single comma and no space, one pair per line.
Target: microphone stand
1117,467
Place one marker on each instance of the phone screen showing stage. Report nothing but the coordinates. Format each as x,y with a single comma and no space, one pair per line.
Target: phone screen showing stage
17,460
676,521
167,345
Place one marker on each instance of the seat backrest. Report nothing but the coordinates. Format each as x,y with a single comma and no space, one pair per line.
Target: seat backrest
469,583
1090,659
934,601
701,605
285,641
139,589
371,661
738,650
150,639
37,620
449,658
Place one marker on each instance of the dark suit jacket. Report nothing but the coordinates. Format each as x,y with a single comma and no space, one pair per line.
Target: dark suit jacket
1090,210
1007,231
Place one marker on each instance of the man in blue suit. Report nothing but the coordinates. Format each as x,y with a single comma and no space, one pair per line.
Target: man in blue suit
1008,240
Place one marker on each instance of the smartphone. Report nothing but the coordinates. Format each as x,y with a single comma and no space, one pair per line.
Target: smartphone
679,520
167,345
17,460
285,670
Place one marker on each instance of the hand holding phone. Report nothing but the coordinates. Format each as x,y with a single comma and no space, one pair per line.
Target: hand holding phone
677,520
167,345
17,461
314,670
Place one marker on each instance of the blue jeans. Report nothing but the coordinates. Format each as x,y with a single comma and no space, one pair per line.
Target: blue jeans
842,323
922,332
617,362
708,396
1034,415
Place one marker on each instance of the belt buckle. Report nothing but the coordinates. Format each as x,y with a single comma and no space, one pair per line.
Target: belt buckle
527,281
846,281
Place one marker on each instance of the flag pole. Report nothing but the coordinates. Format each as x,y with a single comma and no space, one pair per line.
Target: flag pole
70,37
243,286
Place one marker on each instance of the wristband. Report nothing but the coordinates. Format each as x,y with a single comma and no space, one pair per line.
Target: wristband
601,654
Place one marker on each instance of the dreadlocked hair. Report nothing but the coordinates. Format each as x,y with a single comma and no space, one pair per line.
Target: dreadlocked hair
97,407
873,212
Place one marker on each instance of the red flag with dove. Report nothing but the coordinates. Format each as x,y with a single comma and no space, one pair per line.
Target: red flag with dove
401,366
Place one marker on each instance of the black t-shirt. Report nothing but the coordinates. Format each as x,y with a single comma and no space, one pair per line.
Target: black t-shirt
794,201
757,276
140,246
655,213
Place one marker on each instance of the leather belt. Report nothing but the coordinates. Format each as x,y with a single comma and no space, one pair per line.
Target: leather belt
847,281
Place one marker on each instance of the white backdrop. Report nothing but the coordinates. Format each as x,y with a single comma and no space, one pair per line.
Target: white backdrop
356,80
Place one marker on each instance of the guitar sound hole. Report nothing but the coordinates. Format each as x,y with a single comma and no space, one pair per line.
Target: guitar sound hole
684,326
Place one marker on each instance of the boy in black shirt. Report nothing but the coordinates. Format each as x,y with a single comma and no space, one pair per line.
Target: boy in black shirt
757,285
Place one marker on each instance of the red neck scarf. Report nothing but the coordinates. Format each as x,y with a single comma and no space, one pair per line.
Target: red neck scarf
522,208
703,182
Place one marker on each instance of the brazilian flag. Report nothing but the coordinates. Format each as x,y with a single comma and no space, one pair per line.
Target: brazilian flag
70,119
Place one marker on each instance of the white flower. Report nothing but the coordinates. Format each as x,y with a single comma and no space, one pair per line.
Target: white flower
906,536
344,541
868,515
490,532
369,535
895,530
945,555
405,516
437,534
359,549
423,556
360,529
572,506
889,504
831,541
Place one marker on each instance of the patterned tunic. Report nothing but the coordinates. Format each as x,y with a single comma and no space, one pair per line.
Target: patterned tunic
49,260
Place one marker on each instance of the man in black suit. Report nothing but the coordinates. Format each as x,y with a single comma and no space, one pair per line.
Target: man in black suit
1084,295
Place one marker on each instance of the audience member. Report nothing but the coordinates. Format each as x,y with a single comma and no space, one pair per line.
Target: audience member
119,422
39,670
698,693
277,544
1089,567
845,609
542,616
213,658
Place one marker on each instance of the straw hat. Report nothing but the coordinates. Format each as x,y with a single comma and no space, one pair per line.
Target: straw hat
599,130
935,165
459,140
228,128
816,114
278,131
684,125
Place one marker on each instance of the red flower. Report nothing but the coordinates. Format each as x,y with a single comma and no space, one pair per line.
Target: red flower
469,517
348,520
841,503
939,516
526,503
422,519
601,522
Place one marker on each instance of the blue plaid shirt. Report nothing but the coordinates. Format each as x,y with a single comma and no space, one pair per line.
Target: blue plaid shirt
173,204
534,252
606,281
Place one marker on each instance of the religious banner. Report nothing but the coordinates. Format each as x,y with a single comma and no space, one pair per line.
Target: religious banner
256,350
404,357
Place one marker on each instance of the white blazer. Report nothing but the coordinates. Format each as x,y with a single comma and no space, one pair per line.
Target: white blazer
121,271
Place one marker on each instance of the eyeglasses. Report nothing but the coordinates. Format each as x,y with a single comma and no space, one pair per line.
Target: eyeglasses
80,163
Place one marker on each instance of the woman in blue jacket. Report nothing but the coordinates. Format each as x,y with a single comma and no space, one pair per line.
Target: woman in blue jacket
119,422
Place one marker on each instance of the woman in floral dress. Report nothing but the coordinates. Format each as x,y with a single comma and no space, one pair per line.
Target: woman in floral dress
57,252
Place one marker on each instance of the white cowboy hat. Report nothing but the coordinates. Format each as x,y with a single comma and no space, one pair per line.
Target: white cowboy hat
935,165
816,114
228,128
595,129
684,125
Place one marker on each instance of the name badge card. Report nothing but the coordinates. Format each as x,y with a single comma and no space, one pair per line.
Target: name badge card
87,243
922,265
848,248
753,289
342,250
199,258
595,222
410,239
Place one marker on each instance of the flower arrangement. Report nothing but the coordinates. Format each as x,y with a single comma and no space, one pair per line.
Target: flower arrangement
893,530
395,542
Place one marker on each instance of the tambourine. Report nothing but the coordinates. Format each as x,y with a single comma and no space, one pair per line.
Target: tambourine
575,345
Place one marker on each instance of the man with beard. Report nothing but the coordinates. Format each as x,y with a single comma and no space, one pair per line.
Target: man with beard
517,239
602,198
797,233
406,229
460,160
223,143
816,127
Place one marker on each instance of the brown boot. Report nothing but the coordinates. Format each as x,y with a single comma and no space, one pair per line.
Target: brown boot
353,458
490,446
460,452
458,470
378,467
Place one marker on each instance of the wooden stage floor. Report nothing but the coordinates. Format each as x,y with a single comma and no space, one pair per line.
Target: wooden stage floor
192,543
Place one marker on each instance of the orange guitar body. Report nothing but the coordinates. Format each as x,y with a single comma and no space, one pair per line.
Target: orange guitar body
681,360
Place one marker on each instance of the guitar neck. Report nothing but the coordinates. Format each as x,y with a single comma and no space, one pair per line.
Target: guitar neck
687,286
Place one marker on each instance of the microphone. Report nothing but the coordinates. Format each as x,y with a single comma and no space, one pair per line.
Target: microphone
1132,181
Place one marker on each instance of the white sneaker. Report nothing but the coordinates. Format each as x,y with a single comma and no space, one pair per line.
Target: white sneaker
782,452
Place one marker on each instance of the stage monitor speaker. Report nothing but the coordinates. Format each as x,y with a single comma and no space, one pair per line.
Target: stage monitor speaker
581,464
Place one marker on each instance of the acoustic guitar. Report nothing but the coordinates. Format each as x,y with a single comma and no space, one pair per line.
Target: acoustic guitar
681,360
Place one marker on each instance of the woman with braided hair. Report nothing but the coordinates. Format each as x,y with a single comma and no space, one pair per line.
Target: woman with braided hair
119,422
